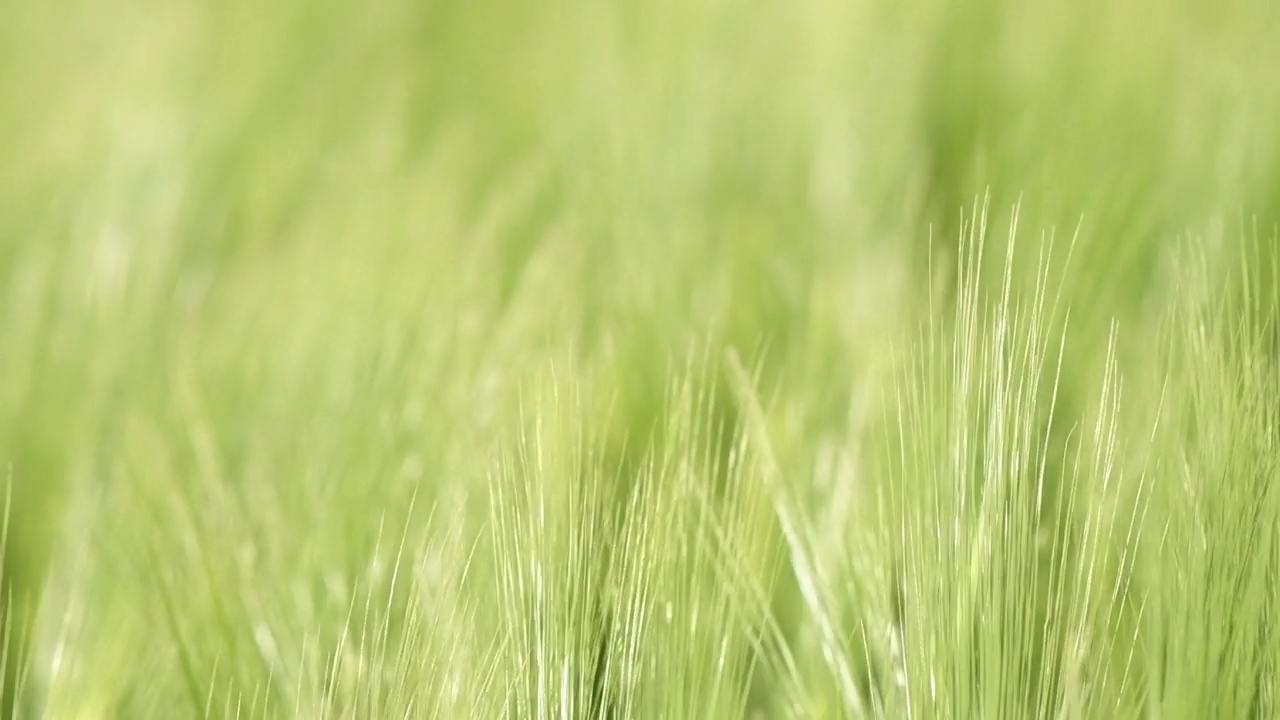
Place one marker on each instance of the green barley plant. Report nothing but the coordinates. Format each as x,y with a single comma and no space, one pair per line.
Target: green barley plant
494,359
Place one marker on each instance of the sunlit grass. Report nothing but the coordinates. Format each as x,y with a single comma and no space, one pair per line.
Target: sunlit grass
675,360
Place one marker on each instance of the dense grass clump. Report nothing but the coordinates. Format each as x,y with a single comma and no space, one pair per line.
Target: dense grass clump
480,359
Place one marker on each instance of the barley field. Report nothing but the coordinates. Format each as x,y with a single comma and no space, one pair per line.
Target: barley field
612,359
